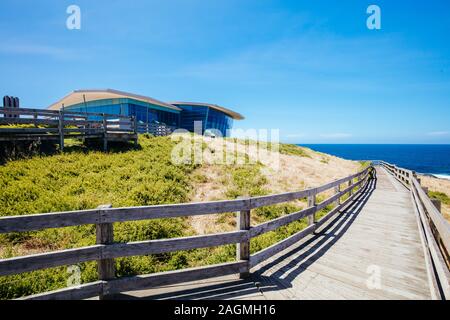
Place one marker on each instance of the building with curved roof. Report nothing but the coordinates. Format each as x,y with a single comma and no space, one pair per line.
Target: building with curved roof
149,110
211,116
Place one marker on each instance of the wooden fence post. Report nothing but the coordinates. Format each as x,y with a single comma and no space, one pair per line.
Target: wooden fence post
350,182
106,267
61,130
437,204
243,248
135,128
413,176
337,190
312,203
105,133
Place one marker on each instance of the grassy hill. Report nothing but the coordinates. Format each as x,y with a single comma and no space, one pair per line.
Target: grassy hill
82,179
438,189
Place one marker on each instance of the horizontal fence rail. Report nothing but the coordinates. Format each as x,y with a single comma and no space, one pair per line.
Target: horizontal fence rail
435,230
56,125
106,250
156,129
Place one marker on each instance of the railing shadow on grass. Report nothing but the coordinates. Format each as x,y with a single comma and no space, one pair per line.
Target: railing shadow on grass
308,252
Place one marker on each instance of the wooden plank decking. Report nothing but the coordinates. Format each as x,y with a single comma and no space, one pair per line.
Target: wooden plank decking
377,234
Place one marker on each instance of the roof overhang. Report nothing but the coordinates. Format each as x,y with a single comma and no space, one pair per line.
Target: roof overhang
82,96
232,114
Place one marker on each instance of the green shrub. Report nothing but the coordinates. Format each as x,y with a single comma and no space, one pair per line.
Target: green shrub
442,197
293,150
266,240
246,180
83,179
25,284
275,211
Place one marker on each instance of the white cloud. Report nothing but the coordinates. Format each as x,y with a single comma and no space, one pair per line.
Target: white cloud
439,133
37,49
31,49
338,135
295,135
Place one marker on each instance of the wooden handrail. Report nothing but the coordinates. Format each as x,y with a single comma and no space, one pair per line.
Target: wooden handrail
103,251
35,222
435,230
66,112
88,125
408,178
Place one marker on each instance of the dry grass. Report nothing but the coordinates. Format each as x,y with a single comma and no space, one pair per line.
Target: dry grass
438,185
148,176
283,173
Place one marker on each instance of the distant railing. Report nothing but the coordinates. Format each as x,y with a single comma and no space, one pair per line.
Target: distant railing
156,129
42,124
435,230
106,249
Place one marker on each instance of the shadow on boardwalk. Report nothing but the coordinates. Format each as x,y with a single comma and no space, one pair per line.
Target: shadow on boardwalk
299,257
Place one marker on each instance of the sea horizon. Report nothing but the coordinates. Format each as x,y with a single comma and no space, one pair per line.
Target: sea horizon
426,159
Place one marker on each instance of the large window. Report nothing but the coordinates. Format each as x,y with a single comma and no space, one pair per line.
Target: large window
219,121
190,114
119,109
143,113
211,119
148,115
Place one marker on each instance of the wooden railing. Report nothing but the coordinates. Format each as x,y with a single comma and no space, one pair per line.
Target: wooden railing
106,249
156,129
57,125
435,230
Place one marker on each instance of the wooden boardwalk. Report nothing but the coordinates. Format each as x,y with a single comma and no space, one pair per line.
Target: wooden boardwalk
387,240
371,250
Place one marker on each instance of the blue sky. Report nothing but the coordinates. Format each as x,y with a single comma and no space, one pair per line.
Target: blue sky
310,68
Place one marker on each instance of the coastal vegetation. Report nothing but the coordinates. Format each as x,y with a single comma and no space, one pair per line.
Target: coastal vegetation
438,189
442,197
84,179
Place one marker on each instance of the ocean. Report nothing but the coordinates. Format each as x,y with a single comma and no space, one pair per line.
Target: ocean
426,159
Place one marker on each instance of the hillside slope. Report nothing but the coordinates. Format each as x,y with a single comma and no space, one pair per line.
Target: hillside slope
86,179
288,168
439,189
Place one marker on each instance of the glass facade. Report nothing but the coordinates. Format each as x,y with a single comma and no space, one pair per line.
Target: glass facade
148,115
190,114
219,121
144,112
211,119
